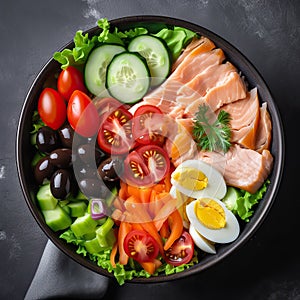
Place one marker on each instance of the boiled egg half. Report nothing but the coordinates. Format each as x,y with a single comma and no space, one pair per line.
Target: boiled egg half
196,179
211,219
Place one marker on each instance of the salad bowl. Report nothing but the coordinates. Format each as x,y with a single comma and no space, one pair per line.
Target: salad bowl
24,148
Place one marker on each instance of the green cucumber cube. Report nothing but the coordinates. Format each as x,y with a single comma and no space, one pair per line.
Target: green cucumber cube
57,219
45,198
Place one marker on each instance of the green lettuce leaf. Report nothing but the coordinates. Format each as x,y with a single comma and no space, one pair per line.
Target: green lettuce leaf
78,55
245,202
176,39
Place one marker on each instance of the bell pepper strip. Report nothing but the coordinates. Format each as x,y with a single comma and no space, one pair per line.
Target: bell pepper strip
164,230
176,226
124,229
151,266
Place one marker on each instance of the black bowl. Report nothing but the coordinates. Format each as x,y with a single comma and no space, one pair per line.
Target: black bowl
24,148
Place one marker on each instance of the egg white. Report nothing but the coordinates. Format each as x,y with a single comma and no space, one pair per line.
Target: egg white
200,242
216,186
226,234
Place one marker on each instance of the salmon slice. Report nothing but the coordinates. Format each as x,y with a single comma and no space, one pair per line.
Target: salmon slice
242,168
203,82
264,132
191,46
231,89
165,96
245,115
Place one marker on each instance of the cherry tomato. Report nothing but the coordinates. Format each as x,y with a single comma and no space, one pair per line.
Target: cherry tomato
141,246
182,250
52,108
114,134
69,80
146,165
147,125
82,114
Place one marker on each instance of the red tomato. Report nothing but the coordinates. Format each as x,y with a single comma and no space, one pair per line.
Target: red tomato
147,125
82,114
114,134
52,108
182,250
146,165
69,80
141,246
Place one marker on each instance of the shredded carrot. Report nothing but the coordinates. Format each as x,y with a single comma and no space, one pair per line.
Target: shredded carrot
124,229
113,254
176,226
145,194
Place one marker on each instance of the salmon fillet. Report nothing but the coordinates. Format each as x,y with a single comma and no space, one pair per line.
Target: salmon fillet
264,131
242,168
245,115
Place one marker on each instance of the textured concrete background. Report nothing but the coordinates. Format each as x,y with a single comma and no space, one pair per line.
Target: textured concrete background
267,32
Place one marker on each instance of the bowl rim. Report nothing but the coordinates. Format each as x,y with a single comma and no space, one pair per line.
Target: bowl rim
276,172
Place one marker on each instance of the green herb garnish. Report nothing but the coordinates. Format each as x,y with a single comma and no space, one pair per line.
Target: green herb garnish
211,133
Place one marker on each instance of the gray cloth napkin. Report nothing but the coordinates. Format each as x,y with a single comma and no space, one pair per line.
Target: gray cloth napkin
59,277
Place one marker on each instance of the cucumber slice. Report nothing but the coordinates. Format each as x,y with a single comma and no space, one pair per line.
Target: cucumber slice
231,197
127,77
57,219
157,55
77,209
45,198
96,65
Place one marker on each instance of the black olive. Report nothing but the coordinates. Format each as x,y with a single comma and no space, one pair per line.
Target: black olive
61,183
93,188
61,158
47,139
66,134
110,169
90,155
43,169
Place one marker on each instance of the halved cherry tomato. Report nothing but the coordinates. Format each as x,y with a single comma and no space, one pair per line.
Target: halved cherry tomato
69,80
52,108
182,250
147,125
82,114
146,165
114,134
141,246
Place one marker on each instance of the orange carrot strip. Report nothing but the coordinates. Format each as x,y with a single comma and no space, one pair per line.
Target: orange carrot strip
164,230
151,206
167,182
176,226
123,192
145,194
118,203
124,229
148,266
163,214
113,254
133,191
159,188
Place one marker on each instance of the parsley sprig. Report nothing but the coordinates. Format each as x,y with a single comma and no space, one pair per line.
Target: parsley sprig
211,133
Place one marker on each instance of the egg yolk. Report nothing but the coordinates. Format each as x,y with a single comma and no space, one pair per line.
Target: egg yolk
210,213
191,179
